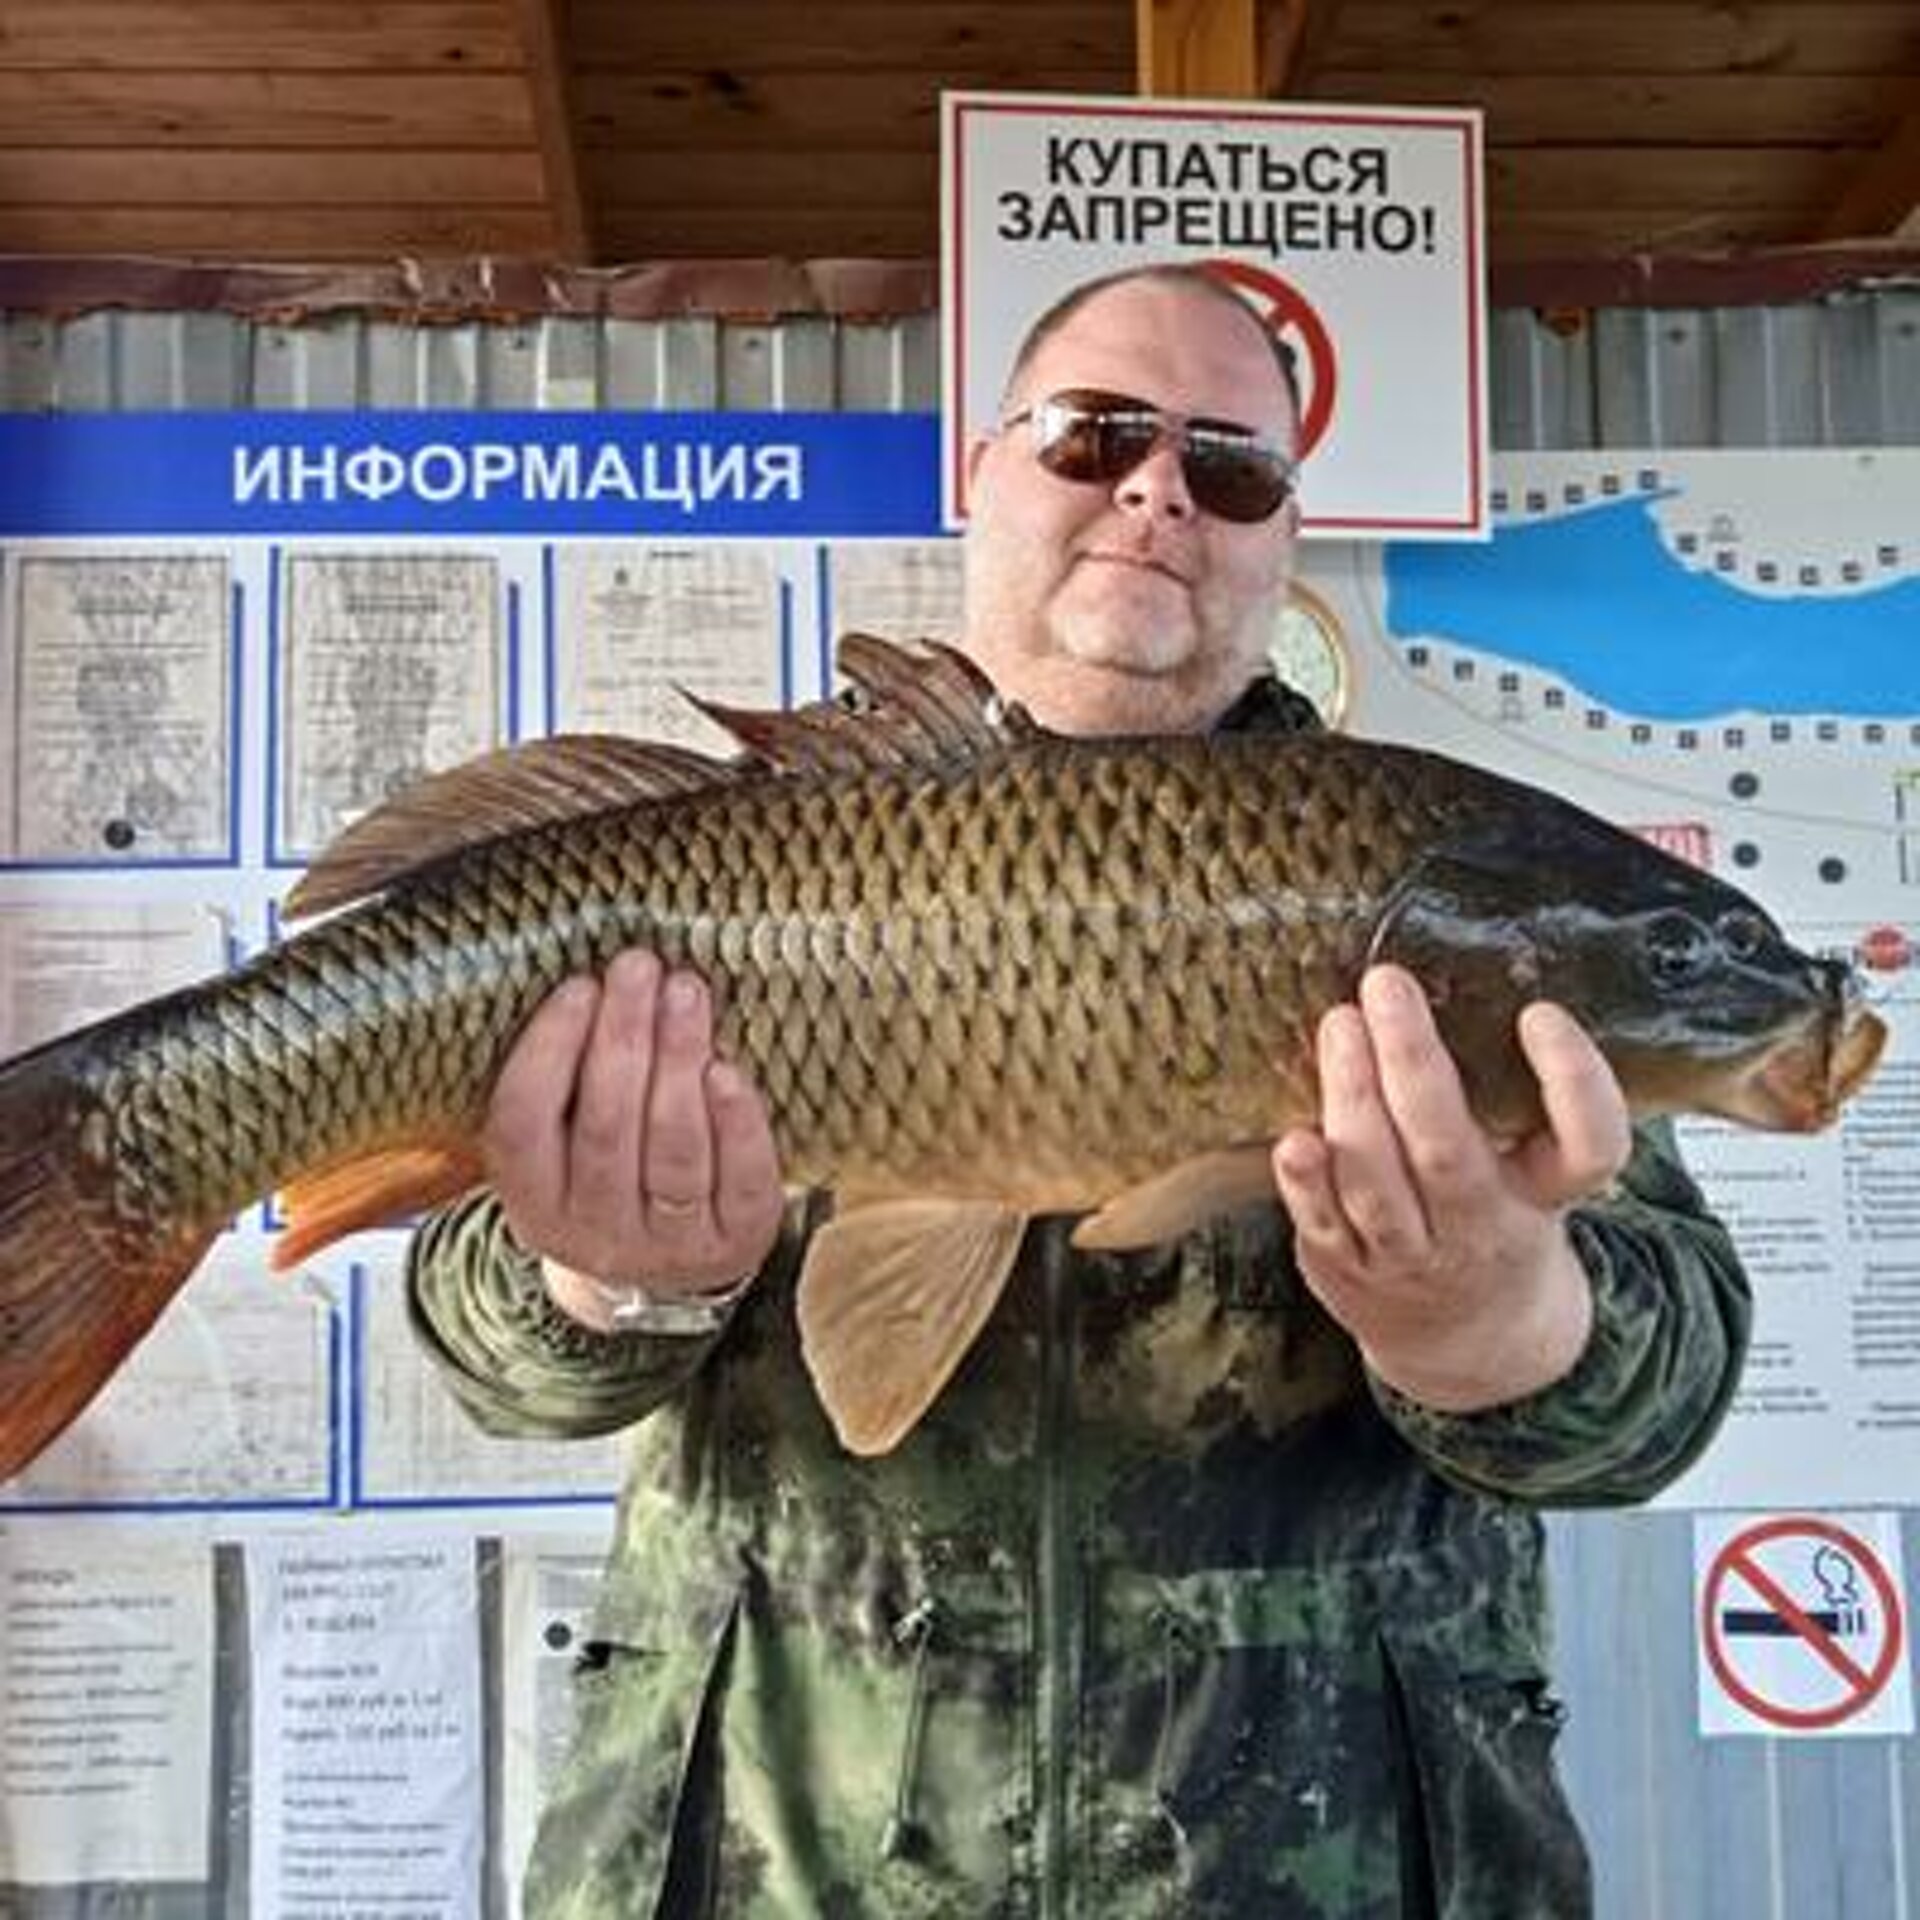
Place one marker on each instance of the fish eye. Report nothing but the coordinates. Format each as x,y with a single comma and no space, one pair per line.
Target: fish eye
1677,946
1743,934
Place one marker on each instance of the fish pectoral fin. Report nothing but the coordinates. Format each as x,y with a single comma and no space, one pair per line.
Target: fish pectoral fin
1182,1198
331,1202
890,1299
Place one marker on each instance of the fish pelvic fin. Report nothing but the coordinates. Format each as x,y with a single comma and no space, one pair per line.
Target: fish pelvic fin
1182,1198
328,1203
75,1299
511,791
890,1300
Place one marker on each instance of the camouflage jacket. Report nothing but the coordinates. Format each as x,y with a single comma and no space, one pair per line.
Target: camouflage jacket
1166,1608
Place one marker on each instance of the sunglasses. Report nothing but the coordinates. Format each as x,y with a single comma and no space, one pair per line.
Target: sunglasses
1098,438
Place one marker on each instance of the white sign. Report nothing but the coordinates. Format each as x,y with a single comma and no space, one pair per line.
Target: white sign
1802,1625
106,1699
369,1778
1354,231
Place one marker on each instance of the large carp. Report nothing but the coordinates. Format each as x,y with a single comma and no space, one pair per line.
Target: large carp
980,971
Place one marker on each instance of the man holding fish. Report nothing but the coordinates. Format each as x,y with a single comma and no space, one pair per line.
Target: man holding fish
1209,1582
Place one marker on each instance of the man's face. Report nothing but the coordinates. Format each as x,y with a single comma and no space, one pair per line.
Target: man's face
1125,607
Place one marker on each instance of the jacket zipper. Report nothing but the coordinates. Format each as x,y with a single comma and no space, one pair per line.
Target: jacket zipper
1058,1581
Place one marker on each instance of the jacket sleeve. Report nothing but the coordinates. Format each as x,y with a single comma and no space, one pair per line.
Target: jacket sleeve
1672,1316
516,1363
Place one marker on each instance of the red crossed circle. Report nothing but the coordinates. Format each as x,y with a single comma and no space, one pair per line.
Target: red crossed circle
1863,1683
1286,309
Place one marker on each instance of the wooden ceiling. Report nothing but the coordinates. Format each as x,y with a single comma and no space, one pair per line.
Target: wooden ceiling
609,132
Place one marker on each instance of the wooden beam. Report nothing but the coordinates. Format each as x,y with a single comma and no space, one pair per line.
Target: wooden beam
541,26
1294,37
1198,49
1884,196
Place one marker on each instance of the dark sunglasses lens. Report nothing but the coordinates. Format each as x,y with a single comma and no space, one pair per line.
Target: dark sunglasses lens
1100,437
1092,442
1235,481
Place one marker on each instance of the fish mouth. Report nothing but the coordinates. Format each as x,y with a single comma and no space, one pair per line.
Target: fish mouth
1799,1084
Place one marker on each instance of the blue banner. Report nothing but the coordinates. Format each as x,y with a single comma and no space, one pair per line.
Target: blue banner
757,475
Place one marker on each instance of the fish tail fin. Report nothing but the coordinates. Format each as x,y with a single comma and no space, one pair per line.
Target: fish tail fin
75,1299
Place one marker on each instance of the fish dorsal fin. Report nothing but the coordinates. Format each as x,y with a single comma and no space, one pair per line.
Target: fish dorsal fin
331,1202
927,706
921,707
1182,1198
890,1300
531,785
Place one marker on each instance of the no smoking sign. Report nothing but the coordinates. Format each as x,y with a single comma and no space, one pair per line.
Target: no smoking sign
1802,1625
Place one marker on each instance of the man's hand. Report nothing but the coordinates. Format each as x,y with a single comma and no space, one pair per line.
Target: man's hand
1446,1257
621,1148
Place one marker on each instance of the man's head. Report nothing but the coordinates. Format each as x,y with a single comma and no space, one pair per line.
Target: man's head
1129,605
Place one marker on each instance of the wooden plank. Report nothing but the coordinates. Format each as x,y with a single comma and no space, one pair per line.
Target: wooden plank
815,233
961,39
1884,194
283,233
543,41
1717,189
358,233
1707,179
1711,109
1294,38
217,177
897,109
263,109
465,36
1196,49
1627,36
1603,233
802,233
712,180
890,109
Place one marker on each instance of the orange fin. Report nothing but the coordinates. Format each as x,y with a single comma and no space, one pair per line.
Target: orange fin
890,1300
925,707
487,798
1182,1198
73,1305
331,1202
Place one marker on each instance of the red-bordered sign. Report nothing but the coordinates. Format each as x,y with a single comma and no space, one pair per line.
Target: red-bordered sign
1801,1623
1348,224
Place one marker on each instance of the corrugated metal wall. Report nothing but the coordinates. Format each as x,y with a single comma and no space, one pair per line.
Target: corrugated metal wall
1844,370
1682,1829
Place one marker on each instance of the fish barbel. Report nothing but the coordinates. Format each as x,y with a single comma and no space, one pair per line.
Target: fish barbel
979,971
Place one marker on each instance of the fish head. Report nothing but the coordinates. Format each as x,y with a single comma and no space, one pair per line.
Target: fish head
1697,999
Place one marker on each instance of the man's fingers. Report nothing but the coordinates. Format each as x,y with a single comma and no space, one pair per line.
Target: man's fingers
1420,1086
609,1109
1368,1169
524,1139
677,1177
748,1196
1303,1172
1589,1132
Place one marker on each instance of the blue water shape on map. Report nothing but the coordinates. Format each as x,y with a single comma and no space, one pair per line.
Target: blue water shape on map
1596,598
